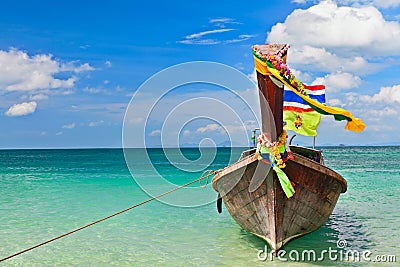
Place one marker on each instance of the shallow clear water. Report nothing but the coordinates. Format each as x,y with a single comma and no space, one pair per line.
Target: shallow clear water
45,193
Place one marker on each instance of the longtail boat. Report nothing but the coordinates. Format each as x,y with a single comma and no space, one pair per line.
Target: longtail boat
281,196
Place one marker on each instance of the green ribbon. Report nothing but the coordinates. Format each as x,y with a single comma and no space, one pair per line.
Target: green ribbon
285,183
283,179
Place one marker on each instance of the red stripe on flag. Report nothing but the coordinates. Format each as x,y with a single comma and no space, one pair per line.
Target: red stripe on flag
314,87
297,109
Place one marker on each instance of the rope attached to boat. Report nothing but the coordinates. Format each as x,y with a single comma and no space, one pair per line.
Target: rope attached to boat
205,176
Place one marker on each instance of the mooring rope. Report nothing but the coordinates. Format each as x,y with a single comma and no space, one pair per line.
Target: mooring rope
206,174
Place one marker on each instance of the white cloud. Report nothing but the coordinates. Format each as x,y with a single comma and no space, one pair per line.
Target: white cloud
231,129
39,97
218,20
223,20
327,25
95,123
387,3
241,38
340,44
379,128
334,102
108,63
220,25
384,112
80,68
115,110
200,41
253,76
201,34
338,81
299,1
378,3
302,76
197,38
69,126
94,90
135,120
210,128
389,95
59,133
22,72
22,109
315,58
326,34
68,92
155,133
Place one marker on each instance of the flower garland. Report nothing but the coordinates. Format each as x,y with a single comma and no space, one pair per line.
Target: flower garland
257,49
271,152
274,148
276,61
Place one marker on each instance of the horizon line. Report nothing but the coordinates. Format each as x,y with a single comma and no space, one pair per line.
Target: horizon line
180,147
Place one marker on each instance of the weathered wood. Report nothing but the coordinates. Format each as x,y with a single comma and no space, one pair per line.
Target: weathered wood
267,212
274,96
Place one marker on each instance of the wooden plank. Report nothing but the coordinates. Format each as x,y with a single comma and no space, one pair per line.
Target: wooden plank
280,218
266,211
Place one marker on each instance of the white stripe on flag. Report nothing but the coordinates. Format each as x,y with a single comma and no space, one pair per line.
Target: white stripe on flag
295,104
312,92
316,92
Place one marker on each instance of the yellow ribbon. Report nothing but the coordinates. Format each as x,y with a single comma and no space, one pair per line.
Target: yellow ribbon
353,124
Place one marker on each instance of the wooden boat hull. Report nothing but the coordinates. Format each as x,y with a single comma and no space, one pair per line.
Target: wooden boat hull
267,212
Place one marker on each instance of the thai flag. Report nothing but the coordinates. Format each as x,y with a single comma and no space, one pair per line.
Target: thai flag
298,115
295,103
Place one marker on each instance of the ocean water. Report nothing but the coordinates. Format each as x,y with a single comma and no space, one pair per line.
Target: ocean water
45,193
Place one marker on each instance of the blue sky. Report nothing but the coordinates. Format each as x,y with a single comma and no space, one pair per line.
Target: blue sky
68,69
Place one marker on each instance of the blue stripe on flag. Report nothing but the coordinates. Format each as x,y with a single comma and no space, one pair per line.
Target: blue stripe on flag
290,96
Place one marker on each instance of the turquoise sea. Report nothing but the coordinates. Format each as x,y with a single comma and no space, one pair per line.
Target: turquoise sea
45,193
